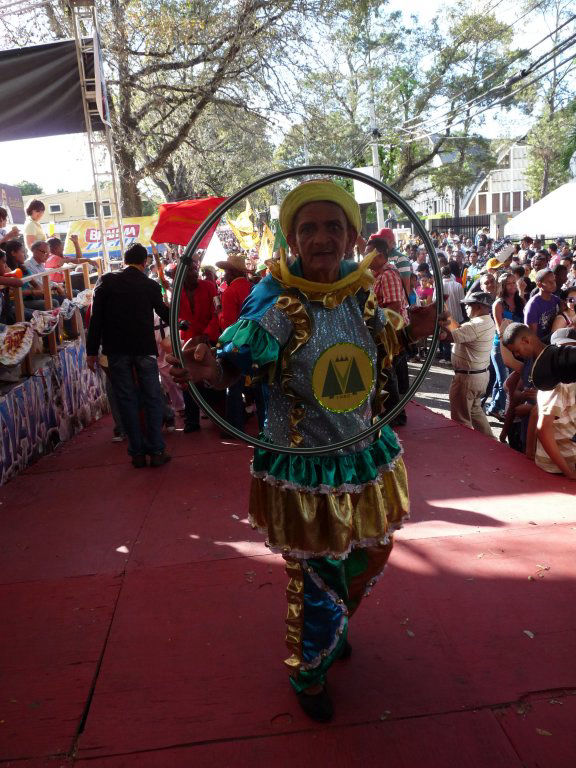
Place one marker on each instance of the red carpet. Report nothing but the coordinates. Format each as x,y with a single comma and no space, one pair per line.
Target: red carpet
144,618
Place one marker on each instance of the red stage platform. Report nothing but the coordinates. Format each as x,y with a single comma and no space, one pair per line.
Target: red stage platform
143,618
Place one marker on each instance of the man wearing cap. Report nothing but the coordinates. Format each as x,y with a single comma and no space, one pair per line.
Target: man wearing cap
238,288
315,330
385,237
492,267
390,293
471,360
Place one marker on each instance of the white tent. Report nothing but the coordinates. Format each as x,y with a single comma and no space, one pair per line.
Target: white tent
215,252
553,216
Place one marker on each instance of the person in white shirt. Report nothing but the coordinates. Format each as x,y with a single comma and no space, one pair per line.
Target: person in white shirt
32,229
453,297
471,360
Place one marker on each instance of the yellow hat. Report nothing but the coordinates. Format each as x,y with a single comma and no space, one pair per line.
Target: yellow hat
320,190
493,263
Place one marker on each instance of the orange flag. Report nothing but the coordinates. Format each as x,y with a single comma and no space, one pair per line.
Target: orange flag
177,222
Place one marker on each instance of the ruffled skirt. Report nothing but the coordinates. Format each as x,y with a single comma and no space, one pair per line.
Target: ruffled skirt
324,506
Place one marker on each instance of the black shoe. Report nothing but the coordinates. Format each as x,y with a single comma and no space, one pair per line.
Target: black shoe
159,459
346,651
318,707
139,461
191,427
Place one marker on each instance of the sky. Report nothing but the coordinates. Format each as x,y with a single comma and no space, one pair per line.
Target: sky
64,161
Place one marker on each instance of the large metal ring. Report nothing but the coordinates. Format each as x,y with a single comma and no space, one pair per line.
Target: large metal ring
214,217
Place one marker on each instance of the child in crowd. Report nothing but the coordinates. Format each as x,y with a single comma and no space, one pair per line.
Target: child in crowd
425,289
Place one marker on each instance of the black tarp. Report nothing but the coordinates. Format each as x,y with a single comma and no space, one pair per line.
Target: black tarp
40,91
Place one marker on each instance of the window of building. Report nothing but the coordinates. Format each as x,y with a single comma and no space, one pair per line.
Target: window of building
526,201
505,161
506,202
55,208
517,201
496,202
90,208
484,187
472,207
481,204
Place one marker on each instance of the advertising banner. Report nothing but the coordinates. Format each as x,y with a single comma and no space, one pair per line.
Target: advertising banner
11,199
137,229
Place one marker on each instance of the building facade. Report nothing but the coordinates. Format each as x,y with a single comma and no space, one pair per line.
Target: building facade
502,192
65,207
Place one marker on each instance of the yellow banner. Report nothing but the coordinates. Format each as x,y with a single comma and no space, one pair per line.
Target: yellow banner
266,244
137,229
244,229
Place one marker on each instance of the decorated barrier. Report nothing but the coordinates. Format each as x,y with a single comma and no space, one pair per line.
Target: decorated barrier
51,406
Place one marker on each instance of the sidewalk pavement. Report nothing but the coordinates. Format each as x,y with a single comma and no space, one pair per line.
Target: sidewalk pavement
143,618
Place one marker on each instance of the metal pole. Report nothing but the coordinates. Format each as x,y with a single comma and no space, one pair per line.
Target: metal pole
117,199
376,164
88,122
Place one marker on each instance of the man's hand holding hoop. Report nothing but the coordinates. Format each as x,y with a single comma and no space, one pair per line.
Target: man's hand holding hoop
200,365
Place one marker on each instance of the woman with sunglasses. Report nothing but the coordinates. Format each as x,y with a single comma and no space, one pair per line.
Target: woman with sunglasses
566,317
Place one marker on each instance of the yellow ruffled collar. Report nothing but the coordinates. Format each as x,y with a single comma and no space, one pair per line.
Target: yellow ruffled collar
329,294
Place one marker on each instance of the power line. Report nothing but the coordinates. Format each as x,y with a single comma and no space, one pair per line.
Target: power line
457,41
21,7
502,67
540,62
496,103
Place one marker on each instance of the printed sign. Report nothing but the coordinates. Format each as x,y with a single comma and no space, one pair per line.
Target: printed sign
343,377
11,200
137,229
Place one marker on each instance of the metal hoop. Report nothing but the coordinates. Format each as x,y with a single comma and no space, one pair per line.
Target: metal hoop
324,170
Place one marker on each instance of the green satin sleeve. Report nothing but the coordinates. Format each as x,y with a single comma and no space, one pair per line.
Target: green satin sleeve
247,337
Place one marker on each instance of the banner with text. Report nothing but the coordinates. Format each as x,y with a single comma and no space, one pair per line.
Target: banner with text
137,229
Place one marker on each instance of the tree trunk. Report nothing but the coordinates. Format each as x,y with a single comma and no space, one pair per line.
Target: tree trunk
131,198
545,179
456,203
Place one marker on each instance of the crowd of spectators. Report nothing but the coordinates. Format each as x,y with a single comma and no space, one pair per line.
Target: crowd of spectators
487,287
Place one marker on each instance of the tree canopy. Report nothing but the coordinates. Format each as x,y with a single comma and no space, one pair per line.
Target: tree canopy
208,94
29,188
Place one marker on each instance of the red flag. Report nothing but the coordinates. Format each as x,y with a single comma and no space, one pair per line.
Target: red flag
177,222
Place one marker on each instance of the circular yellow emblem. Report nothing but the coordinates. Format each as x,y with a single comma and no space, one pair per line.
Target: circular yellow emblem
343,377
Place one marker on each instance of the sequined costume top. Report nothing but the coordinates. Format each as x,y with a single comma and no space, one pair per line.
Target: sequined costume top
323,356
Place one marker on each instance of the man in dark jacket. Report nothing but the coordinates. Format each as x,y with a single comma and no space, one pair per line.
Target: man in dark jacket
122,321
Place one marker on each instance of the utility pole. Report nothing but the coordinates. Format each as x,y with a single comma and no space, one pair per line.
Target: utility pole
376,163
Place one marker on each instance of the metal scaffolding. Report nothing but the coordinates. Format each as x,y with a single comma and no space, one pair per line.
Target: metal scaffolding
85,26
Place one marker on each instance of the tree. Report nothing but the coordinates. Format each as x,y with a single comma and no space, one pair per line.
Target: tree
224,151
29,188
420,81
170,61
552,139
547,149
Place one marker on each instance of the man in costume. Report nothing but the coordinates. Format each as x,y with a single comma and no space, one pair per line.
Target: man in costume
314,329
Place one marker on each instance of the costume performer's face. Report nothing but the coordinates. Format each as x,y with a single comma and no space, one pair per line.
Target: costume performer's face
321,236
